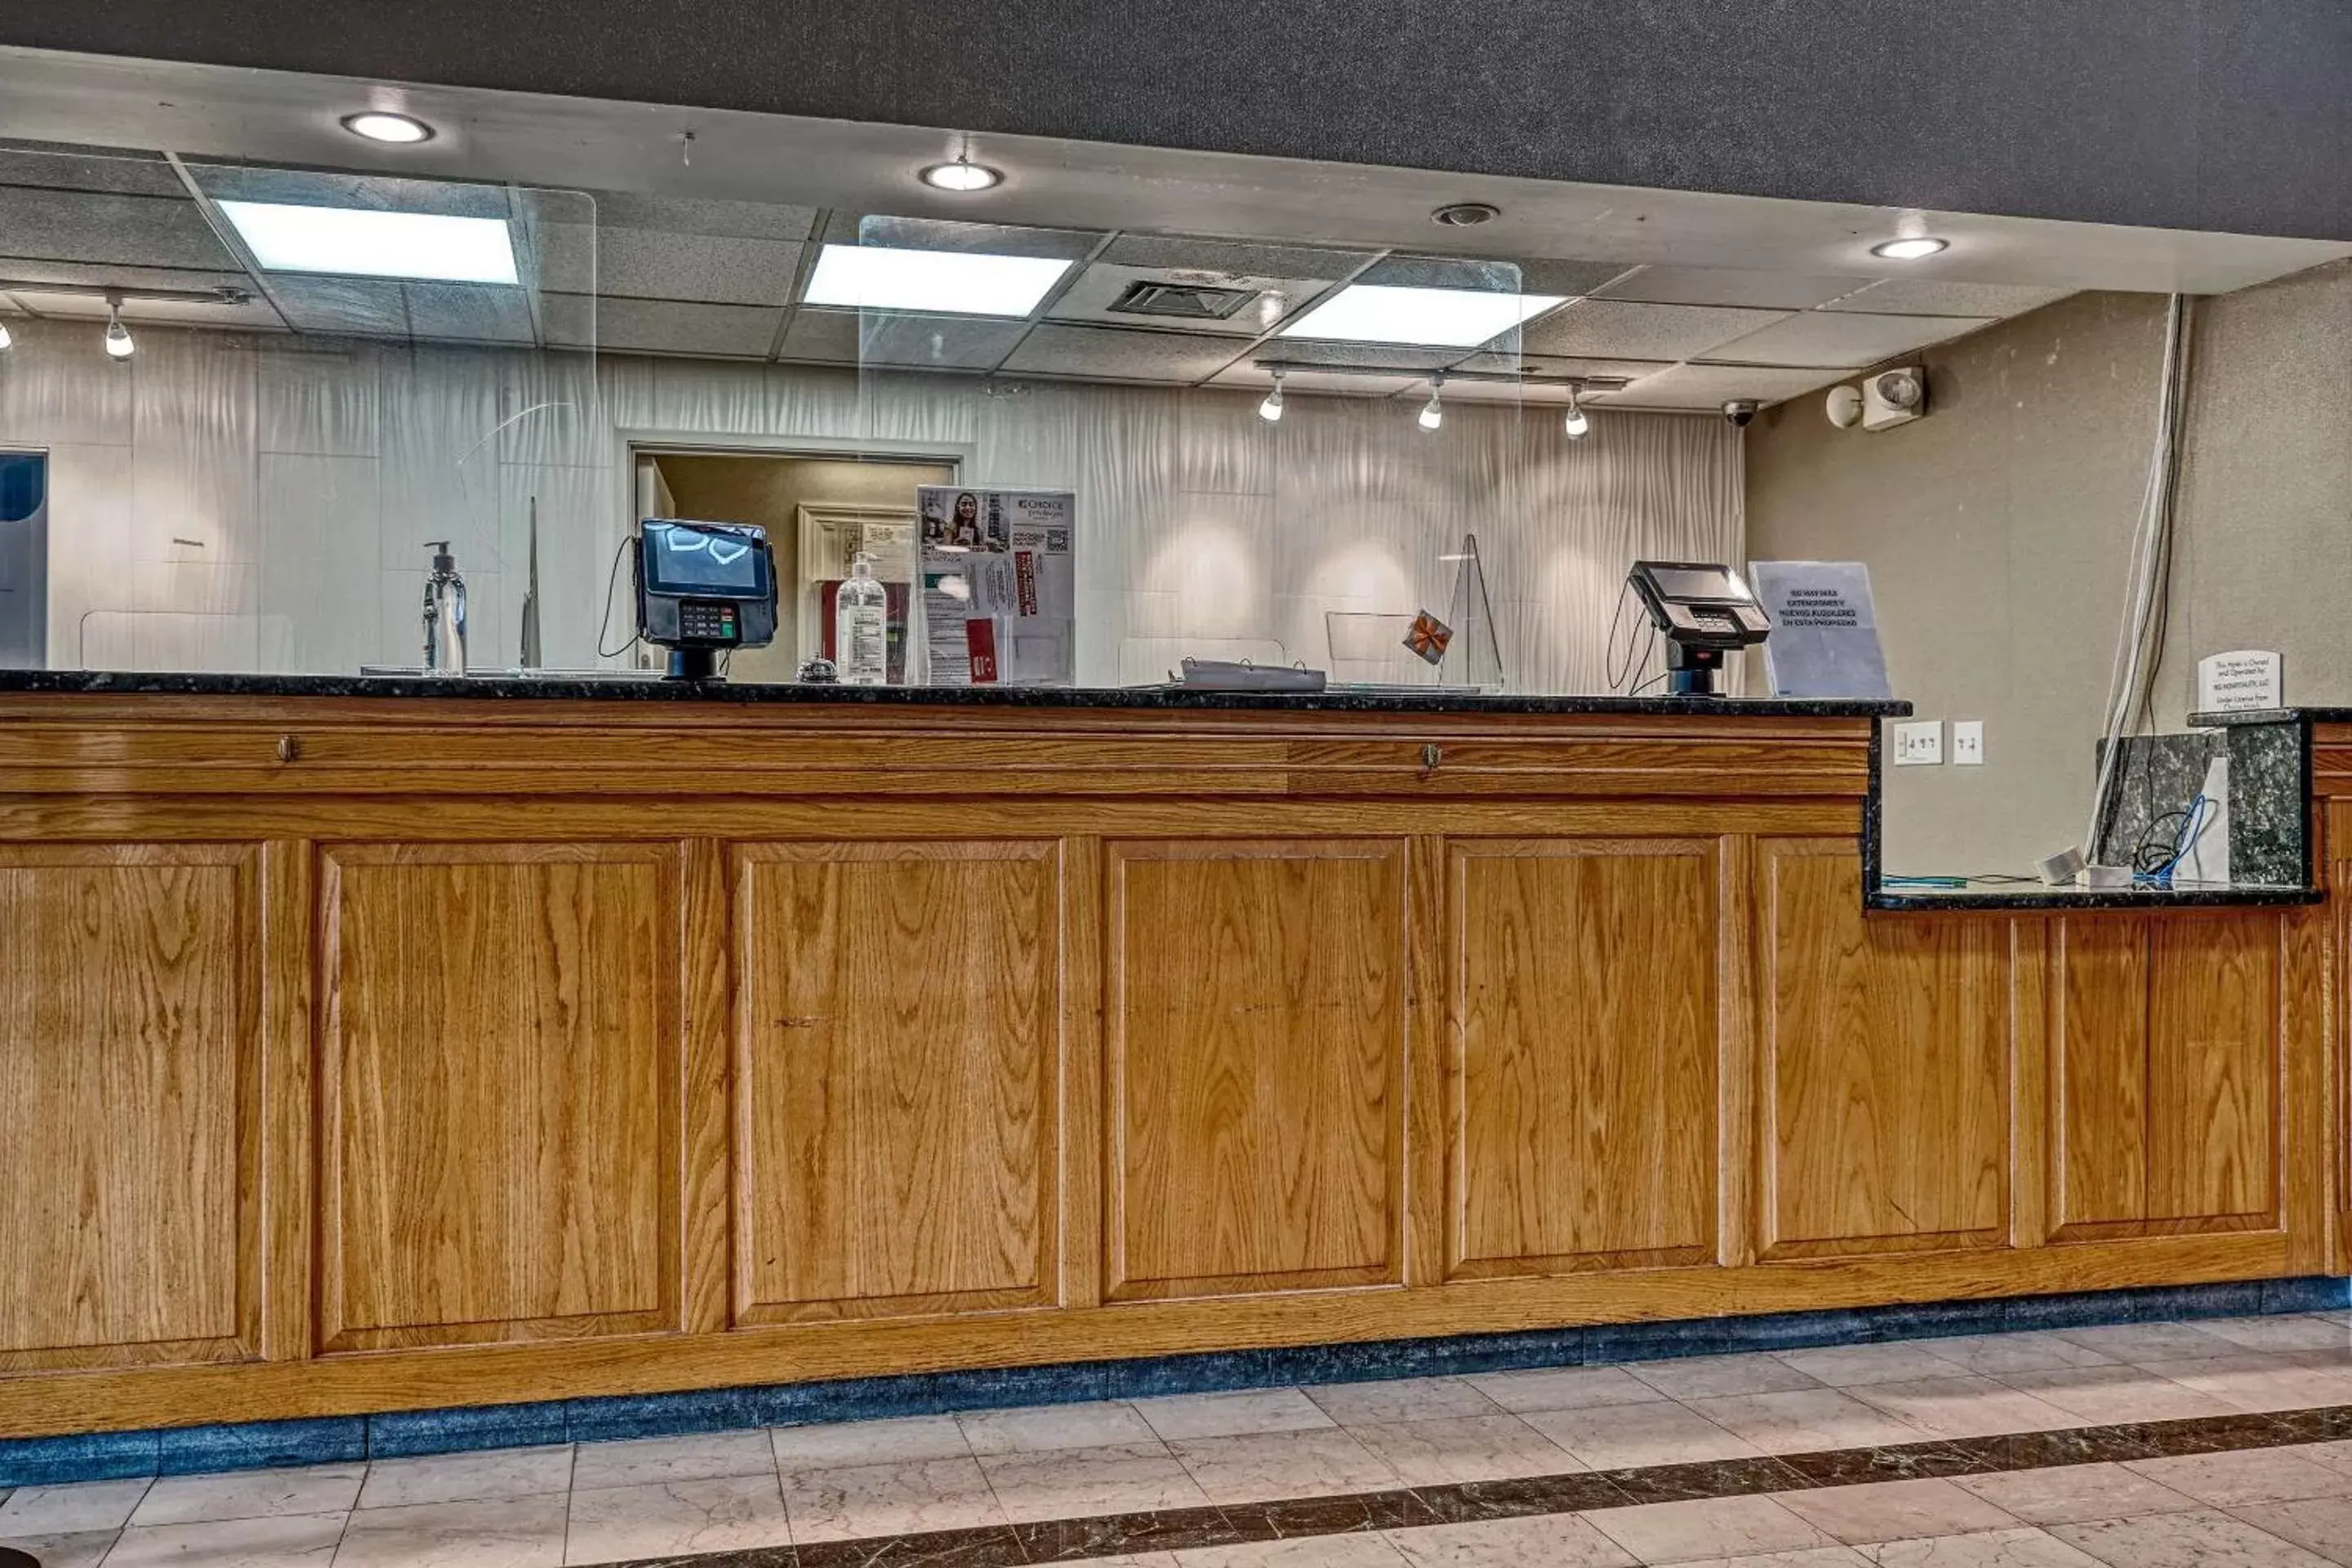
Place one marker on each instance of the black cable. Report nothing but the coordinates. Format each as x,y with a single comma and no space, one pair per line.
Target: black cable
612,579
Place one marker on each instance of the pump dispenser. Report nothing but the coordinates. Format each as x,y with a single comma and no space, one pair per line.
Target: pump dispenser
445,614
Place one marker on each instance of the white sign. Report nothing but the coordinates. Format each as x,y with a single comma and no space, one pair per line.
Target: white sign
2233,682
999,592
1825,638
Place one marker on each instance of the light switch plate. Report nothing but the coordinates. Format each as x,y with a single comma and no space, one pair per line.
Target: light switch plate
1968,743
1920,744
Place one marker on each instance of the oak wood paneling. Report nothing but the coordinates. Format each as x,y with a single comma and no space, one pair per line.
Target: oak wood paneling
1257,1045
1887,1066
899,1051
498,1081
1585,1053
130,1084
2166,1060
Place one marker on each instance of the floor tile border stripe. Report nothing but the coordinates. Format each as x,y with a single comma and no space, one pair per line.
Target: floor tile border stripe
1461,1503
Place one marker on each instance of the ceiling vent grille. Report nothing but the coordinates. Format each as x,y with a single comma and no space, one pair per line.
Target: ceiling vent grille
1181,301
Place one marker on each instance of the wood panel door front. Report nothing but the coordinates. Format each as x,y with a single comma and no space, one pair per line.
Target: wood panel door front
129,1083
1584,1065
500,1088
1255,1050
2166,1062
1888,1057
898,1050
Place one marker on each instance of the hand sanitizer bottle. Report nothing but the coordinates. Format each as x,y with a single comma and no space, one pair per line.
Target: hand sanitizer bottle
861,625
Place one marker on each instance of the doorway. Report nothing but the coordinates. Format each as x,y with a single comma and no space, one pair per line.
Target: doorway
819,510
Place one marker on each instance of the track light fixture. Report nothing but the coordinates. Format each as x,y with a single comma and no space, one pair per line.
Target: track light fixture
1432,412
7,340
1271,409
1577,425
119,344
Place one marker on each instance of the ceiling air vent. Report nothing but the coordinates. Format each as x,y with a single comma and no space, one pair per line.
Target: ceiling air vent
1181,301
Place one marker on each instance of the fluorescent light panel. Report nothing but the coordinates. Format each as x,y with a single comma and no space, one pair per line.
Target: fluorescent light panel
360,242
1426,318
946,282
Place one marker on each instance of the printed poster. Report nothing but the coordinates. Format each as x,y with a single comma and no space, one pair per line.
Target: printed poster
1825,641
999,586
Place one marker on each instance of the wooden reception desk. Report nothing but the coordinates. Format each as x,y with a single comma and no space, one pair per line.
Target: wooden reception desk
365,1052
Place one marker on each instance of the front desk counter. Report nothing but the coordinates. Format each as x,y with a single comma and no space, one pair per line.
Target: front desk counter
375,1046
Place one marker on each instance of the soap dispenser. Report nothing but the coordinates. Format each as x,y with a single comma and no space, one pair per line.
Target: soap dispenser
445,614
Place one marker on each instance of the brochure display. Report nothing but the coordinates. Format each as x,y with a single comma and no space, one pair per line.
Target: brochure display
998,587
1825,639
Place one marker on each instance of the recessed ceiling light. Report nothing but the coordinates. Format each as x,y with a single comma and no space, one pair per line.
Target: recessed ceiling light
947,282
382,125
963,174
364,243
1428,317
1910,249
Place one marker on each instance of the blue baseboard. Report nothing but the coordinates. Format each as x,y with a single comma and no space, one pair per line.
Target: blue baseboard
188,1450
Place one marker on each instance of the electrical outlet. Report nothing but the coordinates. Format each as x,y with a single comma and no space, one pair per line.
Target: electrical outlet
1920,744
1968,743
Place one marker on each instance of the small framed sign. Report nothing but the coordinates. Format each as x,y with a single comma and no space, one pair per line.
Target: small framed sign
2235,683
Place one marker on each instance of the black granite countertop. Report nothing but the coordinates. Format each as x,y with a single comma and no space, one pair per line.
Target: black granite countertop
2036,897
2272,716
576,689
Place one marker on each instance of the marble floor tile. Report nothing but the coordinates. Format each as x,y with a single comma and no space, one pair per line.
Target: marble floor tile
1564,1388
1721,1376
1135,1560
1400,1399
1255,1467
2103,1395
2250,1381
1988,1548
2204,1539
1040,1427
2244,1475
644,1461
1963,1407
1801,1557
1542,1541
2316,1525
74,1508
849,1501
2144,1342
1896,1510
281,1540
468,1478
660,1519
1715,1527
1613,1436
1074,1483
1847,1366
1997,1356
2287,1331
905,1440
2074,1494
1804,1421
2335,1456
1362,1550
493,1532
1466,1449
250,1494
1224,1414
75,1549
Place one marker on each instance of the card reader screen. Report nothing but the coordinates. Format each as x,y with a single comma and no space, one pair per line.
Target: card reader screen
1699,582
680,559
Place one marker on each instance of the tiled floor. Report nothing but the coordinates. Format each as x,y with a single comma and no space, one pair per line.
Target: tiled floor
803,1488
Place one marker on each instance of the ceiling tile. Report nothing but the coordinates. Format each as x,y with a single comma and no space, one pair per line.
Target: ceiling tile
1089,297
899,343
675,327
1397,356
1939,296
1843,342
73,169
360,307
469,312
693,214
1709,386
942,234
1329,383
139,231
1616,328
1735,286
1103,353
717,269
1150,250
1561,364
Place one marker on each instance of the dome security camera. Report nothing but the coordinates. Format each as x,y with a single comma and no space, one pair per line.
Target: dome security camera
1740,411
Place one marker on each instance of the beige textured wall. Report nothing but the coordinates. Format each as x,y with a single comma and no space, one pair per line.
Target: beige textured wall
1995,531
